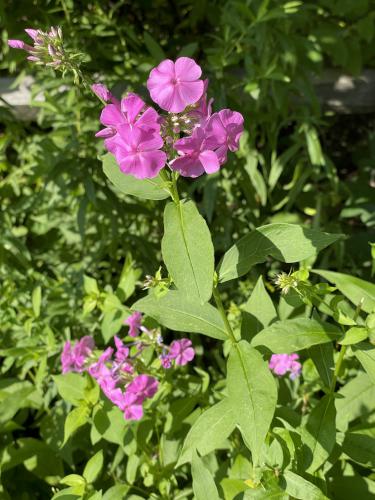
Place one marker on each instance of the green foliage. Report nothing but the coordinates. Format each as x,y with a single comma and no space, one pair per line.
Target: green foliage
78,238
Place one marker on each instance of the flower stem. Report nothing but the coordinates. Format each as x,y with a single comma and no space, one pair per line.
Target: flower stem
343,350
220,306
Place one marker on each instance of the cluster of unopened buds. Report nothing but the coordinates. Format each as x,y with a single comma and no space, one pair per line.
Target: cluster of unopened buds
120,371
144,141
47,48
281,364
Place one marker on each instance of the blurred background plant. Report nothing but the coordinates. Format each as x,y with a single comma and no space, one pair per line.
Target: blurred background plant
61,220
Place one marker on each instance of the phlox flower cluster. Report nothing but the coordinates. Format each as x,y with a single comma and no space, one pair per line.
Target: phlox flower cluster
281,364
46,49
189,138
120,371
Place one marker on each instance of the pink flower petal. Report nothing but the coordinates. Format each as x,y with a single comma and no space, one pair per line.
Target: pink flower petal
209,161
187,70
190,92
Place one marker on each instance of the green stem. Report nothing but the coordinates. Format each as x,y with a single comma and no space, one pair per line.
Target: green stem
343,350
220,306
175,194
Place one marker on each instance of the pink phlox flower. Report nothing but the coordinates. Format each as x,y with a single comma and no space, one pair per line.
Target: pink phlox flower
132,111
181,351
122,352
280,364
197,158
203,109
223,131
132,406
74,358
19,44
175,85
144,386
165,361
137,152
100,370
134,321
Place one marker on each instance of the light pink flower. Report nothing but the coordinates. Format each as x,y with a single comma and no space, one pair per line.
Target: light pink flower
131,111
74,358
122,352
223,131
280,364
132,406
19,44
173,86
137,152
197,158
143,386
181,351
203,109
134,321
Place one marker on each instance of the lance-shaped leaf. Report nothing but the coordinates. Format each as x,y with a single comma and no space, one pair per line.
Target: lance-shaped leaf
258,311
319,434
356,399
284,242
209,431
299,487
365,353
355,289
183,313
204,486
187,250
253,395
360,447
149,189
293,335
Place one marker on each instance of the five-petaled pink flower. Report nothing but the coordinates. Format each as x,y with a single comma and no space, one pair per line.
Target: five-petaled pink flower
197,157
223,131
181,351
175,85
280,364
137,151
134,322
74,358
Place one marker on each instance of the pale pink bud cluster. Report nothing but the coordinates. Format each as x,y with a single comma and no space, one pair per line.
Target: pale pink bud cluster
120,371
144,142
46,49
281,364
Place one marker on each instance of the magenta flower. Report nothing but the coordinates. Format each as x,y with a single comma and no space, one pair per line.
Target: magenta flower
137,152
181,351
223,131
280,364
132,406
165,361
203,108
143,386
122,352
197,158
74,358
132,111
47,46
19,44
173,86
134,321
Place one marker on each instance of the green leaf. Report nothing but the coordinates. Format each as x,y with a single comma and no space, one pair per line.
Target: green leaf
153,47
149,189
322,356
253,395
365,353
91,286
259,311
75,419
36,300
117,492
209,431
284,242
295,334
354,335
353,486
109,424
187,250
353,288
71,387
204,486
182,313
256,178
300,488
357,399
93,467
319,434
360,448
74,480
